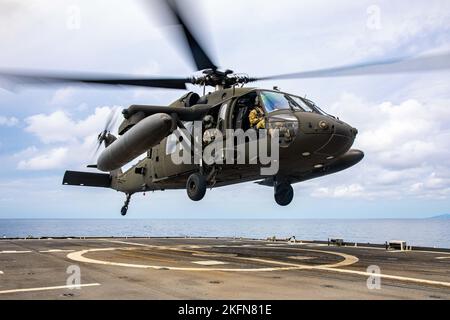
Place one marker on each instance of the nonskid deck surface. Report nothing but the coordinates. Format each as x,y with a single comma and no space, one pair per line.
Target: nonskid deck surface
215,269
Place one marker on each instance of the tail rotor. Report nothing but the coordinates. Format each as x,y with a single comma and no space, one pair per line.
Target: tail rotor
105,137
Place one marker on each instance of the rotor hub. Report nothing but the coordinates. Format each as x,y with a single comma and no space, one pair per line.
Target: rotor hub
223,79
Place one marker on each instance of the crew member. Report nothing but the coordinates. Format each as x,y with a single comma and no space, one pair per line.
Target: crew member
257,117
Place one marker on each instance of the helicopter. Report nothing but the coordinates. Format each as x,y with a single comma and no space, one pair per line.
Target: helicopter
310,142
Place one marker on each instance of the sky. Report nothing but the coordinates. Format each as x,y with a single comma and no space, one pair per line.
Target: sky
403,120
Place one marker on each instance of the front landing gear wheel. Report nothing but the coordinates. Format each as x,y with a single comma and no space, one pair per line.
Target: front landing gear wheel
284,193
124,211
196,187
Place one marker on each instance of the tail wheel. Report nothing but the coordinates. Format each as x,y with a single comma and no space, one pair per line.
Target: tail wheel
284,193
196,187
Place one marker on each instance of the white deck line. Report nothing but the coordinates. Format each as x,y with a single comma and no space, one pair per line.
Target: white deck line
49,288
13,252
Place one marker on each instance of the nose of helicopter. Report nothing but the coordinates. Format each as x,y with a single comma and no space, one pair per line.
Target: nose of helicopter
324,137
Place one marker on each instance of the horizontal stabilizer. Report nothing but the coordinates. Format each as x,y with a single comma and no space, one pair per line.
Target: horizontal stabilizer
87,179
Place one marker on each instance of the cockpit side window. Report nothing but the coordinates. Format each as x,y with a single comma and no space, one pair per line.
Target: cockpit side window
222,116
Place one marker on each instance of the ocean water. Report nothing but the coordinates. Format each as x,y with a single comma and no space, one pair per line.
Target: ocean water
417,232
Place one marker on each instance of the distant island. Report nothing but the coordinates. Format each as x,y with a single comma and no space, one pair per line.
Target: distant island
441,217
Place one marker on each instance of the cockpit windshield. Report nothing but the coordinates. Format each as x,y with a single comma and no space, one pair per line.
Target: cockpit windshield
316,107
302,104
281,101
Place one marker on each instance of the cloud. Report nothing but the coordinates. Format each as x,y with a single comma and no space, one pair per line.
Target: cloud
341,191
28,152
439,185
8,122
52,159
66,142
62,96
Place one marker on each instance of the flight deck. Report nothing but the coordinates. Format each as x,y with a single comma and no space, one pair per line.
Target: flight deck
216,268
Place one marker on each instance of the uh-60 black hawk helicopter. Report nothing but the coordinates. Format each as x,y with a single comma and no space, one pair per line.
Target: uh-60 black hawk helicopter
313,143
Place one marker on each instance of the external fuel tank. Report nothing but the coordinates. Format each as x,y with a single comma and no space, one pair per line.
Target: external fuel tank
144,135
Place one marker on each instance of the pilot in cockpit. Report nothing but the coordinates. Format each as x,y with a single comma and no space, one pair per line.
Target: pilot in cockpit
256,116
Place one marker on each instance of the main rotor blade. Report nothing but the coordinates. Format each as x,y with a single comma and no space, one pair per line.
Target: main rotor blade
172,9
401,65
34,78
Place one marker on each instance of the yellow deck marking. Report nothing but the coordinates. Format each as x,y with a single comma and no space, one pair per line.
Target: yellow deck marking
50,288
348,259
214,255
79,256
209,263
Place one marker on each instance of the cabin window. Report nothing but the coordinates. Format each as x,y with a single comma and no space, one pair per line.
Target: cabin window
222,116
171,144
